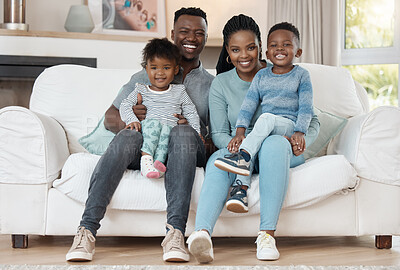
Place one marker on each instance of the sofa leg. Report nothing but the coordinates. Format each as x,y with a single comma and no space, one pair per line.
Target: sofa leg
383,241
19,240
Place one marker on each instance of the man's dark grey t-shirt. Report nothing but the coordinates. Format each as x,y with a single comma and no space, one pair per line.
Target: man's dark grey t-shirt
197,83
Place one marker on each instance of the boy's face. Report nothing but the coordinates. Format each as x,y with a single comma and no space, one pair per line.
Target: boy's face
161,72
282,48
190,35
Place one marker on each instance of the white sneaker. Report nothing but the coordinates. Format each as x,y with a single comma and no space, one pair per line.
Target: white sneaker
200,245
174,246
147,167
266,248
83,247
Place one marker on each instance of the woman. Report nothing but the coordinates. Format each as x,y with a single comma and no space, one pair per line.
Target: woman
239,61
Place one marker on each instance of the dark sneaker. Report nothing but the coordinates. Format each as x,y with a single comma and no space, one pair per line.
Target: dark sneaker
237,203
234,163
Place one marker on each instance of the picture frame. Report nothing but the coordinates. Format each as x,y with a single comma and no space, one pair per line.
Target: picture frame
144,18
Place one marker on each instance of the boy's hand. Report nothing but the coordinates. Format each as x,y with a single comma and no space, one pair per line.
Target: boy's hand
233,145
139,109
134,126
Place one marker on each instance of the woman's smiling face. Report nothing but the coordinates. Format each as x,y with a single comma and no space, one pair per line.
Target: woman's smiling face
243,49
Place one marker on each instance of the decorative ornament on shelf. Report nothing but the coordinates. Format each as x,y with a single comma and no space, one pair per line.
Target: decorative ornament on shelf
14,15
79,19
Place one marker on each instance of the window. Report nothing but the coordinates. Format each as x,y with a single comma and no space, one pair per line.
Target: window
371,47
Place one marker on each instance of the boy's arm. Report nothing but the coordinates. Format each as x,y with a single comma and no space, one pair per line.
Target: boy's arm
306,110
250,104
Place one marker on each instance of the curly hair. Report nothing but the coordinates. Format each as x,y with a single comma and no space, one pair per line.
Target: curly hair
160,47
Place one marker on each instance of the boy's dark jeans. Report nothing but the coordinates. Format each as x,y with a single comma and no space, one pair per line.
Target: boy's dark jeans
185,152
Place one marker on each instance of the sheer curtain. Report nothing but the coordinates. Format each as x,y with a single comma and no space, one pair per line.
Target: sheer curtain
319,24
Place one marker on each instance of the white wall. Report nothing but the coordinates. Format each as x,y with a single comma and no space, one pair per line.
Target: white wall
50,15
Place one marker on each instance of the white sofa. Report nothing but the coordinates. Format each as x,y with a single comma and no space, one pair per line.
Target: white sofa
44,171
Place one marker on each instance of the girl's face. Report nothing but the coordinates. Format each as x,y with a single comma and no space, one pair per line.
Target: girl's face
243,49
161,72
281,49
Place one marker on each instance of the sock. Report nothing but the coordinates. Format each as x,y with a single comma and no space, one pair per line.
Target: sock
245,155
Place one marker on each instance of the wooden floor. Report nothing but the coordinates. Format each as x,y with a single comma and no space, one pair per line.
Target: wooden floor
51,250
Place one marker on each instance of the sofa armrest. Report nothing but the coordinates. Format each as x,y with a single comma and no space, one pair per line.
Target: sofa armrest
371,143
33,147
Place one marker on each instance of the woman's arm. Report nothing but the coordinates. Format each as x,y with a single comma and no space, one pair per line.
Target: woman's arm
219,122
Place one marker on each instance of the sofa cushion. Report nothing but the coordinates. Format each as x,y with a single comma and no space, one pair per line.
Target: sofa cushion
334,90
309,183
330,126
97,141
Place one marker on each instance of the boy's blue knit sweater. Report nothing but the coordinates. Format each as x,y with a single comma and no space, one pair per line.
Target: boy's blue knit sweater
288,95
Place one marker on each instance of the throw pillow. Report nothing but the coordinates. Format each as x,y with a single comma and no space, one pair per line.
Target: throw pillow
330,126
97,141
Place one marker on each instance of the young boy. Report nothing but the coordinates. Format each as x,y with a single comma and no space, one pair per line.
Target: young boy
163,101
285,93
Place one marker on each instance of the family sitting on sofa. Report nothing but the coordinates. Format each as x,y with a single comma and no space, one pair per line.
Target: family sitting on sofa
178,107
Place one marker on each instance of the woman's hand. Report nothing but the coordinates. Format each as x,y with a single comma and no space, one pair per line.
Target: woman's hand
297,142
134,126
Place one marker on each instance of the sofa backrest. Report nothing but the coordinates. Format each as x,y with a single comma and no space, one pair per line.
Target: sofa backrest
77,96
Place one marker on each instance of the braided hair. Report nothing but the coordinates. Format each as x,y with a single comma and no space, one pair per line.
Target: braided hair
235,24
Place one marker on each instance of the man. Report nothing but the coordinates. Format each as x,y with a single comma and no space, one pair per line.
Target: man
186,150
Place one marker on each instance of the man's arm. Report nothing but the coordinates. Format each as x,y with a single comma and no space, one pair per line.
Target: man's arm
112,120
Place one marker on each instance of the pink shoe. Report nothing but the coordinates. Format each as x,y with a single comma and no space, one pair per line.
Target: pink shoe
160,166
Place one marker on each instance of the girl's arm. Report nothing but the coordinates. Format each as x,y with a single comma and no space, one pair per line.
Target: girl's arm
189,111
125,109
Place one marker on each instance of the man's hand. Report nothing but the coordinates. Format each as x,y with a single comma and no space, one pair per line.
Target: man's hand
181,120
139,109
134,126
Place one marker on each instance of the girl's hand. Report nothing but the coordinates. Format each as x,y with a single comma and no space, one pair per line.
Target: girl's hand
134,126
233,145
181,120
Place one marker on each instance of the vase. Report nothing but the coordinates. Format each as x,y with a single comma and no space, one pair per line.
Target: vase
79,19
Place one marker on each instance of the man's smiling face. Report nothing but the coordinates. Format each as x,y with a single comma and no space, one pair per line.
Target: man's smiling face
190,35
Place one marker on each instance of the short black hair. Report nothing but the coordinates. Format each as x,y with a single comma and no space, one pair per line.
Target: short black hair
190,11
286,26
160,47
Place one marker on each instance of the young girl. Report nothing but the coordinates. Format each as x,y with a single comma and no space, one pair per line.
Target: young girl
163,101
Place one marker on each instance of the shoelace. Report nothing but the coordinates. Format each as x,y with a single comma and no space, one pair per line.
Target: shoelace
264,240
237,188
174,239
234,156
82,236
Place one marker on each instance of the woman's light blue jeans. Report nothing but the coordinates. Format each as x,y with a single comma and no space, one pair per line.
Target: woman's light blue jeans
274,160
